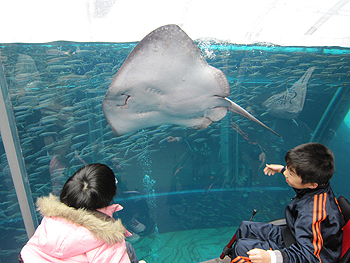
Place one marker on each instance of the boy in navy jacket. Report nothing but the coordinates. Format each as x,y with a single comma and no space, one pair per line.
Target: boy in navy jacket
314,221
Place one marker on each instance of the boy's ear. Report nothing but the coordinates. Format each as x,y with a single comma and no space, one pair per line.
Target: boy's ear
313,185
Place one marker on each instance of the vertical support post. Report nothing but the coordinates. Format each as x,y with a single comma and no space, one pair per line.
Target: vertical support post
328,114
226,148
235,155
14,157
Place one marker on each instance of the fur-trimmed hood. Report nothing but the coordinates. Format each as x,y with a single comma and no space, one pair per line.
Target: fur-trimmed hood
101,226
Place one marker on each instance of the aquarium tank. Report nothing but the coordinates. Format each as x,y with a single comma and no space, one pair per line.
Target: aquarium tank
186,189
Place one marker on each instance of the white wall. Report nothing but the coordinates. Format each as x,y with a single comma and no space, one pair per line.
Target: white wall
280,22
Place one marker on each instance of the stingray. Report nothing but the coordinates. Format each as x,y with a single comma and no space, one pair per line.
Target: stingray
289,104
166,80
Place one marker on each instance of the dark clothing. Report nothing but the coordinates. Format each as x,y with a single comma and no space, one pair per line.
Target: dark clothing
314,219
257,235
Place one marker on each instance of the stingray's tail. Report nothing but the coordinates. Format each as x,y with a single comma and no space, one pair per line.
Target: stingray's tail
242,112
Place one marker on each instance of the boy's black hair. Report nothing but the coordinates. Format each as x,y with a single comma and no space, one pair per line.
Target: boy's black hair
91,187
313,162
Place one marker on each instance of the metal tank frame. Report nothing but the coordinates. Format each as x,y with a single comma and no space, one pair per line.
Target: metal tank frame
15,159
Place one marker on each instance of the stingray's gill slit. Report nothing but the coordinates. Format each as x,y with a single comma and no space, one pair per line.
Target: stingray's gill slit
126,100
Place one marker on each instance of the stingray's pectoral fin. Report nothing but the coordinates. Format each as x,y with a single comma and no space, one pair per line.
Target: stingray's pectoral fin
242,112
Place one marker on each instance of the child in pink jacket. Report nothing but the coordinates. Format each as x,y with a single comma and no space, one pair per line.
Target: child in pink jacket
79,226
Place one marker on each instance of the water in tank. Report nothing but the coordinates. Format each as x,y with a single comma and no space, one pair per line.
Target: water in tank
189,188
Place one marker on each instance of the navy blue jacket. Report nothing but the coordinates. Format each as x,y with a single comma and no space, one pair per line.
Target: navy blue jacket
315,220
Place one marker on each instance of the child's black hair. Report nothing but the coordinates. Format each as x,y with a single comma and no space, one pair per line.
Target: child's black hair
91,187
313,162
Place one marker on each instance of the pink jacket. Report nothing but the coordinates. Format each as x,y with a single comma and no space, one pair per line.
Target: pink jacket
73,235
